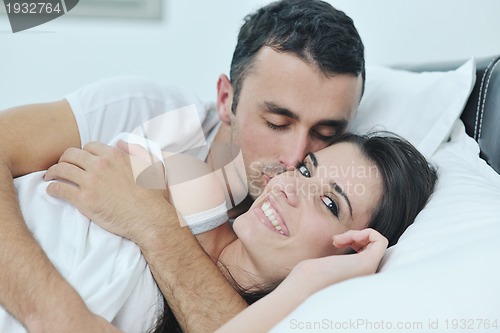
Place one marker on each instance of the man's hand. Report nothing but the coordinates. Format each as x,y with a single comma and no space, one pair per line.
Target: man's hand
102,182
99,180
32,138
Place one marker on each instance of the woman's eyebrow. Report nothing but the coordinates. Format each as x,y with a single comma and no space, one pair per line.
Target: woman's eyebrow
313,159
341,192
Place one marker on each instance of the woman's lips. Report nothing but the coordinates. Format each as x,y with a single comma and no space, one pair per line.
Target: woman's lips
270,217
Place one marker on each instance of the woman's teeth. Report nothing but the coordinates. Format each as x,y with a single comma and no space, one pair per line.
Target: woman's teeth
270,214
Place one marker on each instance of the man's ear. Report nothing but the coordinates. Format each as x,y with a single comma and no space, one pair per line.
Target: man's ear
224,99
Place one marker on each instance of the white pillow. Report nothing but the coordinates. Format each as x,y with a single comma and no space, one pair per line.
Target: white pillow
444,273
421,107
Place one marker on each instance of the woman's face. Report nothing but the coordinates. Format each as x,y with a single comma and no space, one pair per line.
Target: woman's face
330,192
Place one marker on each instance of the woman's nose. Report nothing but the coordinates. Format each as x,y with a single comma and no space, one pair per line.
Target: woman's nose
288,186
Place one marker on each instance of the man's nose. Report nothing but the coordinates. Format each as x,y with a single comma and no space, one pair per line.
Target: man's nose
295,151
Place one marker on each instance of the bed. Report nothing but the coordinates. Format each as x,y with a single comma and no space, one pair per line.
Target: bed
444,273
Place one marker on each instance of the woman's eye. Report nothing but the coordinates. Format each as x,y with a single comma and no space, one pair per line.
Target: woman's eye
331,205
304,171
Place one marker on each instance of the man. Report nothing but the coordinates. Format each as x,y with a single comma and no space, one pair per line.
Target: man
297,76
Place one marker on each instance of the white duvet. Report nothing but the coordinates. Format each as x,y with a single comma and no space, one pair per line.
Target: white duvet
108,271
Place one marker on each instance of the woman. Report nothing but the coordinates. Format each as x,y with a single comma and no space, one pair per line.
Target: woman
358,182
310,276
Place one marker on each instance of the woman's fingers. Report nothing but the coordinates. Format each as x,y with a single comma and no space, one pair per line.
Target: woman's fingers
359,240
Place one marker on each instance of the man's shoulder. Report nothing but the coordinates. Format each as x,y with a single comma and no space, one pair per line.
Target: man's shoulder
134,93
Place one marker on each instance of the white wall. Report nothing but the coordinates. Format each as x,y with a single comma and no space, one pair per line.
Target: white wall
406,31
195,42
402,31
190,48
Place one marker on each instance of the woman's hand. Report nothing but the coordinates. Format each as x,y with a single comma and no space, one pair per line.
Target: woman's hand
103,182
316,274
310,276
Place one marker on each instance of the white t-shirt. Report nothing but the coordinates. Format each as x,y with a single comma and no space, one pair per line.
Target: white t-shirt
108,271
176,120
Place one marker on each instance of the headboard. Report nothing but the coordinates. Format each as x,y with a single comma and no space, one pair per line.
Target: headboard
481,114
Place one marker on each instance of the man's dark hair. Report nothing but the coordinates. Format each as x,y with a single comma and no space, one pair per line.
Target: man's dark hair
312,30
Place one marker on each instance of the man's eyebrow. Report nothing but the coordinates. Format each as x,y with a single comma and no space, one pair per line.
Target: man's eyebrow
273,108
340,125
339,190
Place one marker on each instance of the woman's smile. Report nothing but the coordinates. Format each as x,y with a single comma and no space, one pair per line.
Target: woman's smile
268,214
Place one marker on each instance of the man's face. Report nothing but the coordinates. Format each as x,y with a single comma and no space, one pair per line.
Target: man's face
286,109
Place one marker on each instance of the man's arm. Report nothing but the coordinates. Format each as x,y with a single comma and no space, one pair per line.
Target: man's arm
197,292
32,138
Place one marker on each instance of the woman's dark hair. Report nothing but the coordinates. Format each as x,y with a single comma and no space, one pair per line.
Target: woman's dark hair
312,30
408,182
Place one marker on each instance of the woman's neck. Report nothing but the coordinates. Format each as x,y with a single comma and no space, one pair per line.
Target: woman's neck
236,264
216,240
228,253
